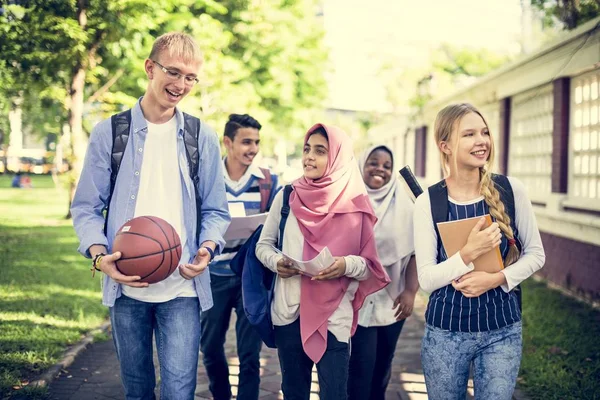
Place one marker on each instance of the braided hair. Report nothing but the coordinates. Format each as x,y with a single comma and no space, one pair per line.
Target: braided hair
446,123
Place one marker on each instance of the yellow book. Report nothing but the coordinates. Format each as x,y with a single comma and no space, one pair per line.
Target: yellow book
454,236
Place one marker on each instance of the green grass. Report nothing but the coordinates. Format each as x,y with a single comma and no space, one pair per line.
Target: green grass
561,346
48,299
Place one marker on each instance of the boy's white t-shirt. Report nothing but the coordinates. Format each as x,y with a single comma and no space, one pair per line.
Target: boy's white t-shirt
160,195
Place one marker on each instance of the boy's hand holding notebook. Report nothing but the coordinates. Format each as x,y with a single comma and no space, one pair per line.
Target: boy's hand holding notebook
454,236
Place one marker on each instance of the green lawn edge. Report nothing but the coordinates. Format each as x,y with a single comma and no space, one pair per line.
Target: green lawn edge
48,299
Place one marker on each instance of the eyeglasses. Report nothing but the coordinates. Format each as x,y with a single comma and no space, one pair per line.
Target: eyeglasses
173,75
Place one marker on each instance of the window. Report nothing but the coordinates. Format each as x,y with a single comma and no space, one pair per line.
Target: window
530,142
584,137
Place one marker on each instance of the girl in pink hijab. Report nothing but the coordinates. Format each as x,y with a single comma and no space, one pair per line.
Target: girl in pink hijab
314,317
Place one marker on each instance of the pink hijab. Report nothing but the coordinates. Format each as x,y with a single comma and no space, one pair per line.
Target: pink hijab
335,212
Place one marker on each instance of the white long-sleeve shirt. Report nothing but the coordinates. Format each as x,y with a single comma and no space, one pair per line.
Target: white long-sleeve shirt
285,308
433,276
378,308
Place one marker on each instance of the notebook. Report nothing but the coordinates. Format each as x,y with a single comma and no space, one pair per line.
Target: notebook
454,236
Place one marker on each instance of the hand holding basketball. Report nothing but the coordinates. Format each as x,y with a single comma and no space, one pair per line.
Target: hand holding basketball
198,266
108,266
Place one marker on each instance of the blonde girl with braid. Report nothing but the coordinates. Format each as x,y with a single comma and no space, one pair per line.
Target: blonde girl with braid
473,319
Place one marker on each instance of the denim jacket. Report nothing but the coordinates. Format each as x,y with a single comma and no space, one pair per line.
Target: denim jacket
94,187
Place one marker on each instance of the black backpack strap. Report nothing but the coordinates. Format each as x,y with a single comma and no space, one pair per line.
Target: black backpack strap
285,211
120,124
507,196
191,132
438,198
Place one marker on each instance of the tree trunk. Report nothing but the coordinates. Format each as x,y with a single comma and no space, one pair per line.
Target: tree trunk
78,139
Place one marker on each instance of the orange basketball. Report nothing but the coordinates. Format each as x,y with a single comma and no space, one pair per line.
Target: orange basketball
150,248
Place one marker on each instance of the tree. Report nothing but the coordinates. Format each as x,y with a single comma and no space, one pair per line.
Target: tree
54,47
274,63
569,13
464,62
6,81
452,67
66,59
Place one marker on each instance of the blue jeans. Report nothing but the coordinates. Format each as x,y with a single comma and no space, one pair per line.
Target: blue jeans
495,355
176,325
371,355
296,367
227,295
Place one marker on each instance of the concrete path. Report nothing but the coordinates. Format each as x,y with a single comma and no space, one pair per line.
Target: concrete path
94,375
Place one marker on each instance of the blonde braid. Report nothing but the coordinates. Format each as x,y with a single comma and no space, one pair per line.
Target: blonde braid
496,207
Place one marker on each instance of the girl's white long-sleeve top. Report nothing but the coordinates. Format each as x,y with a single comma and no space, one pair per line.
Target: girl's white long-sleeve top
433,276
285,308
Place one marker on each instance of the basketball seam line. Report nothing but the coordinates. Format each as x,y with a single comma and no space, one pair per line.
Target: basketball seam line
142,235
159,227
168,243
149,254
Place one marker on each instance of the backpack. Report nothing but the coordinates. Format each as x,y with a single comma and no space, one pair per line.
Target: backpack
120,134
265,187
258,282
438,195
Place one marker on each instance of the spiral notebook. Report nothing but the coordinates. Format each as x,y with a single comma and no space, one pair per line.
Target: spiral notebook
454,236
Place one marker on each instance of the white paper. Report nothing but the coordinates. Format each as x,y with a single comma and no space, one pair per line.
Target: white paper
243,227
237,209
312,267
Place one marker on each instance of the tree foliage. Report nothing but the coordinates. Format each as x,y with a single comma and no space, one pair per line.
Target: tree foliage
454,67
74,62
569,13
465,62
449,67
263,57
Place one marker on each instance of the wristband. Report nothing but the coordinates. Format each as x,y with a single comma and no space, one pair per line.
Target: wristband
95,263
211,252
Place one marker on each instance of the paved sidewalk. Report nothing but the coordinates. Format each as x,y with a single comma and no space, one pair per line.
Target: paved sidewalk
94,375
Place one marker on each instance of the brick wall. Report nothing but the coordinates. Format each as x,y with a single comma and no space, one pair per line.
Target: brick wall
573,265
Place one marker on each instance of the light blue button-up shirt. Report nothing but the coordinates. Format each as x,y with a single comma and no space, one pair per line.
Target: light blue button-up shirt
94,187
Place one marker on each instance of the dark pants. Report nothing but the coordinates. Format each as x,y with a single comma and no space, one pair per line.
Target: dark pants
371,357
296,366
227,295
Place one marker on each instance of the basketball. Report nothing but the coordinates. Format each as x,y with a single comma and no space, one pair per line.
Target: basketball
150,248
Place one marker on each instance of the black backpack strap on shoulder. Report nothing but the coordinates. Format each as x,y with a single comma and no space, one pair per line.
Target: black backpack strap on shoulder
285,212
120,124
191,133
507,197
438,198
